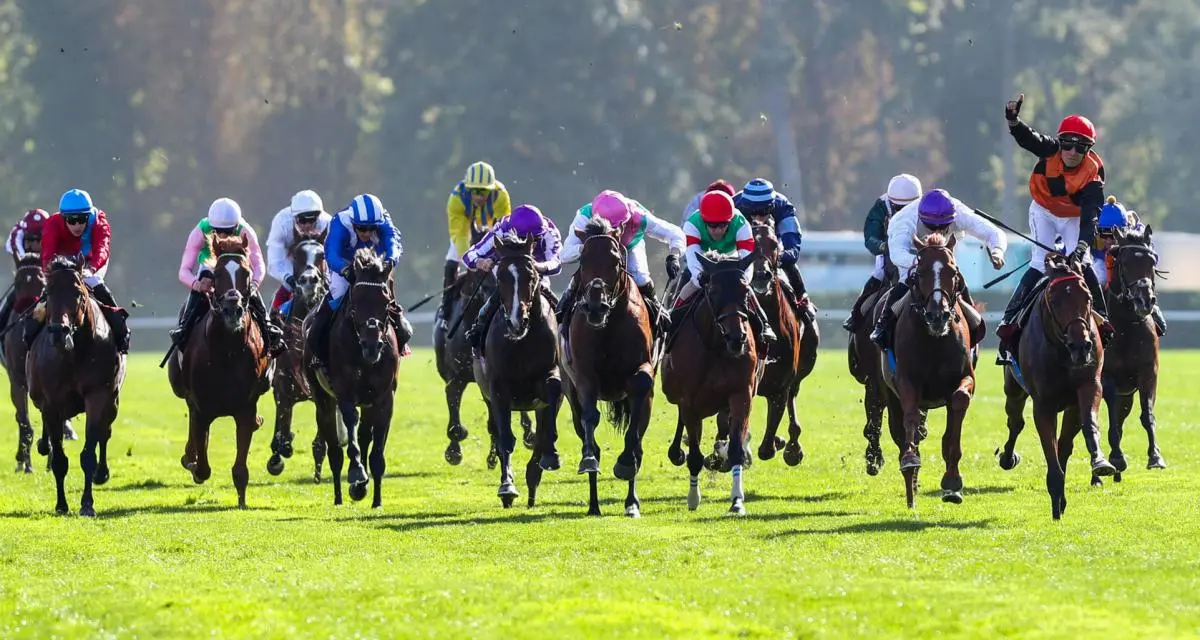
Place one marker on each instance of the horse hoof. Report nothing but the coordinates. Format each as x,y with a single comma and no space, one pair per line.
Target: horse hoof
258,421
28,468
62,509
1156,462
1116,477
675,455
594,511
357,475
910,461
873,468
624,471
693,499
43,447
779,443
285,450
1009,463
632,511
766,451
87,512
1102,467
100,477
550,461
454,454
1119,462
528,439
738,508
316,477
953,497
1097,482
457,433
793,455
68,432
492,460
712,462
358,491
589,465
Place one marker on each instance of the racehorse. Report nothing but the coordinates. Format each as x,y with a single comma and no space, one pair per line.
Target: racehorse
609,358
711,366
930,365
1059,357
452,352
223,368
364,362
28,281
73,366
290,384
863,358
790,358
518,369
1131,359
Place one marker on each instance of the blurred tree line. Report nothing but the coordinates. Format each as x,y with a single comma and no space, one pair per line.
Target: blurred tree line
158,108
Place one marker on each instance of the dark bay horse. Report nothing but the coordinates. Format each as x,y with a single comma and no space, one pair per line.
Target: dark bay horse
518,370
73,367
609,358
355,397
223,368
931,364
711,366
452,352
1059,357
863,358
28,283
790,358
1131,359
290,383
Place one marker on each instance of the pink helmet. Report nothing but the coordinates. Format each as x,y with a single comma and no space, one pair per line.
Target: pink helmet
613,207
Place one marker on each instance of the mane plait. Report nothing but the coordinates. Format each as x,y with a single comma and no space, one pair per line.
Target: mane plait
597,226
30,260
367,261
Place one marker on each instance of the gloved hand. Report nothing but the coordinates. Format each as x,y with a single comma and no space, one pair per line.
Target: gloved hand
997,258
389,264
1082,253
673,267
348,273
788,258
1013,109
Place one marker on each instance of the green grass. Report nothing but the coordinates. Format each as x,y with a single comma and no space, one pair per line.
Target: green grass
825,552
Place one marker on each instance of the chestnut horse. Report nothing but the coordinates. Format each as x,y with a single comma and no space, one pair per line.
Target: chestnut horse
1059,357
223,368
28,282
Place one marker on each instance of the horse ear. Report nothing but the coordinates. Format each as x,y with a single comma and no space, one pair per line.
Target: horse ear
1149,232
745,262
918,243
579,233
952,241
706,263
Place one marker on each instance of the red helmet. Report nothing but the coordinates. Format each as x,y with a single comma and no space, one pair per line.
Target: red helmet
720,185
1078,125
716,207
34,220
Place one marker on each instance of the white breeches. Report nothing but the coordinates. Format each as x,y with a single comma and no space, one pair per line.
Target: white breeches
338,286
879,272
97,277
636,258
452,253
1045,227
1101,269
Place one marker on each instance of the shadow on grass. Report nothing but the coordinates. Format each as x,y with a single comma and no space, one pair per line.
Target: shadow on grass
327,479
970,491
751,496
525,516
886,526
789,515
127,512
145,485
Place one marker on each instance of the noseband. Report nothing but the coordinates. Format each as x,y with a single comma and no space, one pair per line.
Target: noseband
372,322
920,305
1060,335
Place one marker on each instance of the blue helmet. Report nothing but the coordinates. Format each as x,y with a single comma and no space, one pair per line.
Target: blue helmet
76,201
1112,216
758,191
366,211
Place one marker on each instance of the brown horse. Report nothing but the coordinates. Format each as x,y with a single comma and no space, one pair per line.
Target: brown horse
711,367
519,367
222,369
1131,359
355,397
28,283
1058,364
290,384
73,367
609,358
931,365
863,358
790,358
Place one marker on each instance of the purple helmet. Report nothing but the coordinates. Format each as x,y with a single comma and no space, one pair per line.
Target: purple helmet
527,221
936,209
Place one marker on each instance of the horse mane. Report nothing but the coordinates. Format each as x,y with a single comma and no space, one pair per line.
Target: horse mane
935,239
597,226
720,258
229,244
1135,236
63,263
366,261
30,260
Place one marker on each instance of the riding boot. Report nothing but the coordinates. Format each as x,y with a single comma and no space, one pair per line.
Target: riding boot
655,309
1007,329
562,313
805,307
270,330
449,277
1099,305
478,331
870,288
115,316
187,317
768,334
6,308
318,334
1160,323
881,335
404,328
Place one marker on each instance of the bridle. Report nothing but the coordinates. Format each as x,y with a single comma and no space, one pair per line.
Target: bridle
372,322
919,303
1060,335
608,296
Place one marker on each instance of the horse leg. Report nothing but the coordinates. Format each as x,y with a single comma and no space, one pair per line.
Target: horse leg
381,418
1066,445
896,427
793,454
53,425
1088,396
505,444
775,409
639,420
576,412
281,443
493,457
637,401
718,460
1118,410
20,400
356,475
247,423
873,404
1147,393
695,459
455,431
528,435
87,456
739,437
1047,426
956,411
327,430
590,418
319,449
547,425
198,427
675,451
1014,409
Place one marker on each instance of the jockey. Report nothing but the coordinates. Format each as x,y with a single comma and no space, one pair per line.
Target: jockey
1067,186
902,190
195,271
717,185
936,212
24,239
758,201
634,222
476,203
1114,216
307,215
718,226
526,221
365,223
80,229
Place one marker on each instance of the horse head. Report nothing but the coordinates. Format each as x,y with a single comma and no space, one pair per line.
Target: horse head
726,289
308,269
370,300
68,305
602,263
936,281
518,280
29,281
1068,309
231,287
1134,265
766,258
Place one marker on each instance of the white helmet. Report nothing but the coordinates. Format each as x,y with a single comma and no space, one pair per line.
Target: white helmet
306,201
904,189
224,213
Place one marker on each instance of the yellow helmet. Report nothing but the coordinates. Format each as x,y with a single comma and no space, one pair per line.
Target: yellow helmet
480,175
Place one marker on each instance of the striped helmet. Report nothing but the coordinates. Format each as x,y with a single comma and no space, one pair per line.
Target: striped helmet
758,191
366,211
480,175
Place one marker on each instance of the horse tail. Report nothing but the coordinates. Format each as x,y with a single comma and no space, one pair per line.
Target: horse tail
618,415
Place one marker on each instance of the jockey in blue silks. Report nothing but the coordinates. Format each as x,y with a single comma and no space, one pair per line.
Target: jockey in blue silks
759,200
1114,216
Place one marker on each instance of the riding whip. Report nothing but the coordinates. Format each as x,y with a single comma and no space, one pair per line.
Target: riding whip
1000,224
429,297
459,319
998,279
